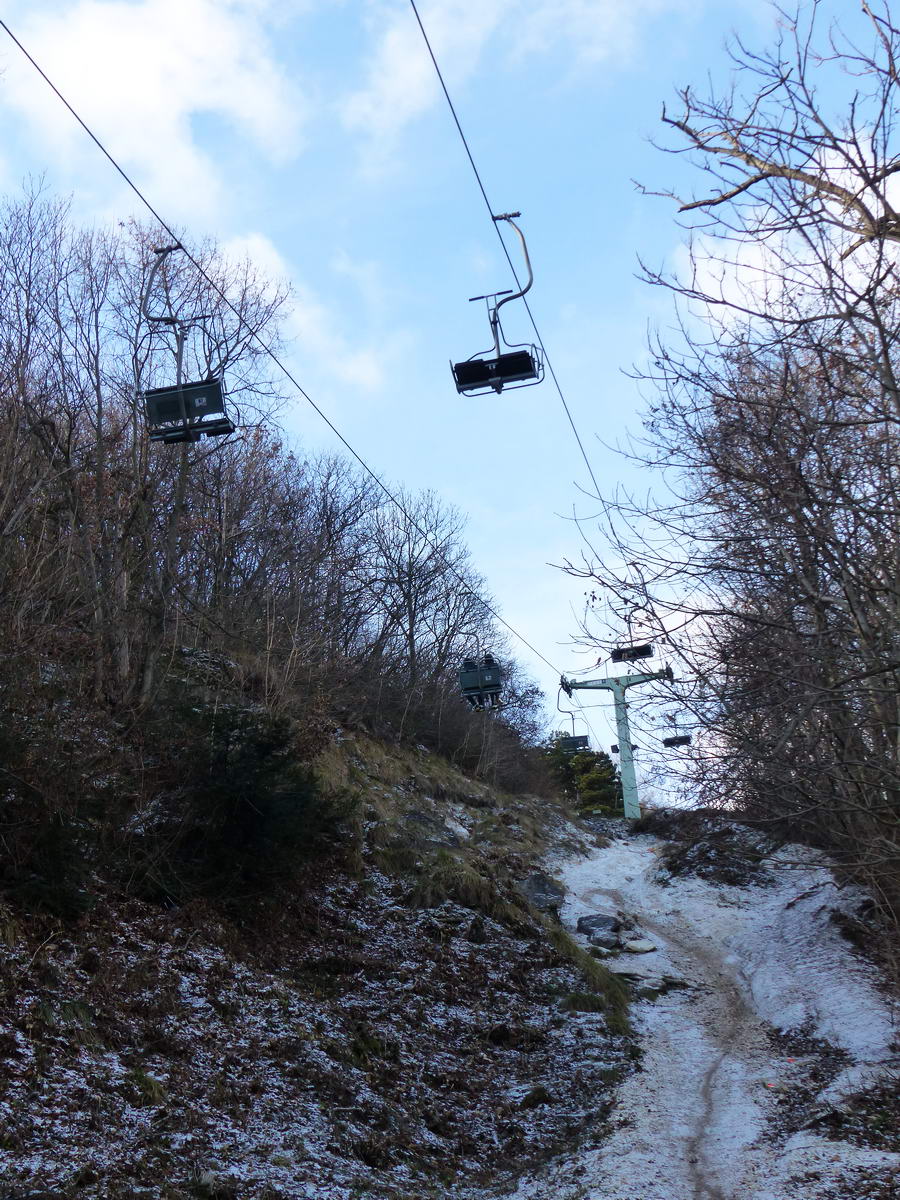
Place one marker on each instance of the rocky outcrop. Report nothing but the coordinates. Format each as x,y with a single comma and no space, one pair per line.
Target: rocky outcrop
543,893
610,931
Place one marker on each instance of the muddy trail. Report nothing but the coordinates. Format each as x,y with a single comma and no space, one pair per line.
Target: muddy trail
735,1044
754,1017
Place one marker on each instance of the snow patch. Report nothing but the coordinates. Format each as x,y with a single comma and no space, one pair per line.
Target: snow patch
700,1119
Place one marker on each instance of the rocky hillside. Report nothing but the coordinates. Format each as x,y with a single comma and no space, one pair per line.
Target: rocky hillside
397,1019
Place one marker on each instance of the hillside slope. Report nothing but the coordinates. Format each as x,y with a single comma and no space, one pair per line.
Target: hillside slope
397,1021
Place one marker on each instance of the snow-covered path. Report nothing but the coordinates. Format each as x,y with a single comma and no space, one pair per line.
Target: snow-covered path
699,1121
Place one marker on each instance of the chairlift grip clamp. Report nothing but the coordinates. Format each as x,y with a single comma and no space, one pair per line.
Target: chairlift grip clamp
505,216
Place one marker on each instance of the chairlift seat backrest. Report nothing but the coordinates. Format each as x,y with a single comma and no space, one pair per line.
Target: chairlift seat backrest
191,401
571,745
470,679
482,679
477,373
680,739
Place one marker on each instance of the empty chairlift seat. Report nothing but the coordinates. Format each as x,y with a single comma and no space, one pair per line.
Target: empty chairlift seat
481,374
631,653
187,413
517,365
179,412
572,745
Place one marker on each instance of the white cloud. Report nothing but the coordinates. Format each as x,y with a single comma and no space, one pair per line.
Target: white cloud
141,73
596,30
261,251
319,337
740,277
401,81
312,329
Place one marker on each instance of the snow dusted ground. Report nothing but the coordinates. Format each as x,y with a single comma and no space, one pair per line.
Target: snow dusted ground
703,1119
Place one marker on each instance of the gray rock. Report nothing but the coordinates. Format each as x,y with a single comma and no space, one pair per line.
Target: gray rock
544,893
639,946
604,939
598,923
431,830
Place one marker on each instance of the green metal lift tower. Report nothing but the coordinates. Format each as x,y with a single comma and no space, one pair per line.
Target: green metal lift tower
617,684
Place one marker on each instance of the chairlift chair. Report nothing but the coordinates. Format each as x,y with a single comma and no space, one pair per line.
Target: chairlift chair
480,683
570,743
631,653
574,744
180,412
517,365
678,739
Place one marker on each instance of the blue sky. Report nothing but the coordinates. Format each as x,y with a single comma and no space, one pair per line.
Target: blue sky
312,135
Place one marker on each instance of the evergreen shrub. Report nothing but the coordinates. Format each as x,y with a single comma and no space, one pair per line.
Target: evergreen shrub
245,813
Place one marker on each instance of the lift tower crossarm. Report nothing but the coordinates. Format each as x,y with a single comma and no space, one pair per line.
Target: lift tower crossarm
614,681
617,684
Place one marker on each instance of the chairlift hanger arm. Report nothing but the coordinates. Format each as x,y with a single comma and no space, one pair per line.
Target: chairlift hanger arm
162,253
494,309
567,712
508,217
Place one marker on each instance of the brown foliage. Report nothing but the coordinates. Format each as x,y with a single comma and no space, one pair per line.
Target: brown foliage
770,566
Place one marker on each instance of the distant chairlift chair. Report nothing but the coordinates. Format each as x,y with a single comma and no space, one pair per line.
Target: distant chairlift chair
631,653
573,744
678,739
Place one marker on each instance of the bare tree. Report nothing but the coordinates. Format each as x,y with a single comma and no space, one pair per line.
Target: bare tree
69,304
770,565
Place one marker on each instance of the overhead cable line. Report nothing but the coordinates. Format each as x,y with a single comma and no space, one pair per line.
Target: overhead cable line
274,357
494,222
512,267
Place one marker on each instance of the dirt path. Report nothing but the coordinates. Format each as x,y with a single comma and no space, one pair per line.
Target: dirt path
711,1052
700,1119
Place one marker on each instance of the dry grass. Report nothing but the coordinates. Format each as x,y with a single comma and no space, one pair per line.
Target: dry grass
609,989
508,838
